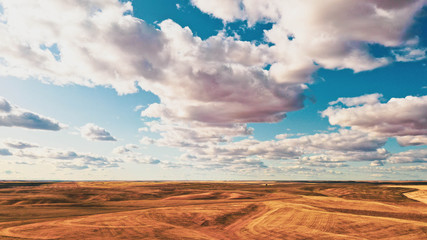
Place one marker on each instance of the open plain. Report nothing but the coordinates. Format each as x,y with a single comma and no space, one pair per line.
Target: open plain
213,210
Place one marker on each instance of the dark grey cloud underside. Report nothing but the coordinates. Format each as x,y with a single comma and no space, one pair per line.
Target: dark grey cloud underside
29,120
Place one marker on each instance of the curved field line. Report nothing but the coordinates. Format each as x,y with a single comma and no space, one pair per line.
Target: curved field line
278,218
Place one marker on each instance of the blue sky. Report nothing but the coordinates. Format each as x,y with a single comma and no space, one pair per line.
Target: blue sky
202,90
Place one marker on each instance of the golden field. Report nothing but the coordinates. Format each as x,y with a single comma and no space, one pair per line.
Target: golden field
213,210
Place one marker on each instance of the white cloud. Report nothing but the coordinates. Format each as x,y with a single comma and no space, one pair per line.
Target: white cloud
409,54
147,141
124,149
93,132
344,140
324,161
228,10
127,154
70,159
210,89
141,159
143,129
219,80
376,163
404,118
14,116
98,44
410,156
332,33
368,99
216,80
412,140
318,150
341,158
193,134
65,158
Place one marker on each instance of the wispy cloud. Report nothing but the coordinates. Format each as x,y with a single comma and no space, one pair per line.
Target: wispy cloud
61,157
18,144
368,99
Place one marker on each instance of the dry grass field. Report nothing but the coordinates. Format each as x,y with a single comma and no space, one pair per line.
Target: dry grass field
213,210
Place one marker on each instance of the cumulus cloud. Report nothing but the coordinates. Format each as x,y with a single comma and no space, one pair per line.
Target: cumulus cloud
217,80
14,116
97,43
311,154
295,47
324,161
334,34
344,140
228,10
210,89
410,156
326,150
330,150
147,141
193,134
124,149
404,118
93,132
412,140
332,159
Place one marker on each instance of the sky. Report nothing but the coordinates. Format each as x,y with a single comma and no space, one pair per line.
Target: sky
213,90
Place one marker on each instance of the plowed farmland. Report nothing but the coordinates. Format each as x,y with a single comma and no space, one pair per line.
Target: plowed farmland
213,210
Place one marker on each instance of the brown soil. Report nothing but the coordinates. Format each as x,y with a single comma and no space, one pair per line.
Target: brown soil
212,210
